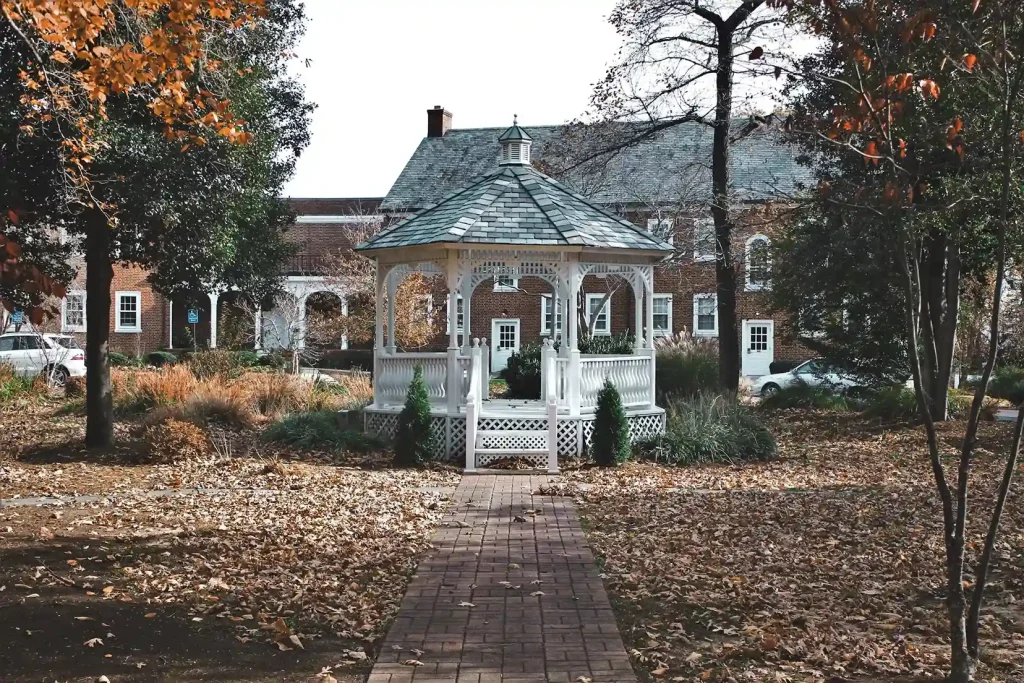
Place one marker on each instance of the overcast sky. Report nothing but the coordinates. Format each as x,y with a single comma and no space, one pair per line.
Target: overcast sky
376,66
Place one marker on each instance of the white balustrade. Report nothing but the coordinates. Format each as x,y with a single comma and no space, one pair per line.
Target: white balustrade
464,368
395,372
631,375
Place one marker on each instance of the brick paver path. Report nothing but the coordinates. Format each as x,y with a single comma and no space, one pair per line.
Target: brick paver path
539,610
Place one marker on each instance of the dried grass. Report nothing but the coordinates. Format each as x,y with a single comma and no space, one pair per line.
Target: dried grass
174,441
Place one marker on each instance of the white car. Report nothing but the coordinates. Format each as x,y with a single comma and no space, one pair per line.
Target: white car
814,372
30,354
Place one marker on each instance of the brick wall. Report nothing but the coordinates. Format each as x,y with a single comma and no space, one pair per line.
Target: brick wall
153,311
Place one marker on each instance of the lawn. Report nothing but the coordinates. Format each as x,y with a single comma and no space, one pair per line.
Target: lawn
823,566
256,563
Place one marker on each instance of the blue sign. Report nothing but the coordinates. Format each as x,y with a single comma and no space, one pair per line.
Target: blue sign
193,317
18,318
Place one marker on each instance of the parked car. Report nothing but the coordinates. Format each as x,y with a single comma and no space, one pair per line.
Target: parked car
818,372
56,355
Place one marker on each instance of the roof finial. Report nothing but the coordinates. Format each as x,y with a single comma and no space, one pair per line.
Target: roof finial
515,119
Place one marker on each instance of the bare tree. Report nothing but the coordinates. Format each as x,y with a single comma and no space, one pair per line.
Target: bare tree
686,61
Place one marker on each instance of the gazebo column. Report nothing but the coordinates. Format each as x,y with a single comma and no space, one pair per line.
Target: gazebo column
454,382
570,313
638,311
648,278
378,343
467,301
392,337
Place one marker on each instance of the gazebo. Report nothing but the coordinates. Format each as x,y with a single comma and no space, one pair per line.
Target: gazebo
515,222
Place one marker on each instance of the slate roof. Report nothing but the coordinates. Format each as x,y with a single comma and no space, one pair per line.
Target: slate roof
671,168
516,205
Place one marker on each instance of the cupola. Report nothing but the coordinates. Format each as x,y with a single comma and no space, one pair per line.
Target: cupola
515,145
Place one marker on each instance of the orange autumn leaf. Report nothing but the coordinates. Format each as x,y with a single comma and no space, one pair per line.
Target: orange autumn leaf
970,61
929,88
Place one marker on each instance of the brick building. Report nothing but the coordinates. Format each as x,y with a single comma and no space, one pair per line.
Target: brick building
662,185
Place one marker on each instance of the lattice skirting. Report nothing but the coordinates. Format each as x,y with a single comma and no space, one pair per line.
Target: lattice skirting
573,432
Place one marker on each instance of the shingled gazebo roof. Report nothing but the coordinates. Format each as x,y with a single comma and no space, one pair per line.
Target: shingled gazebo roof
517,205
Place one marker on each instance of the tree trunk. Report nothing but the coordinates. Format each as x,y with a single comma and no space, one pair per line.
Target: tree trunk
725,273
99,403
940,308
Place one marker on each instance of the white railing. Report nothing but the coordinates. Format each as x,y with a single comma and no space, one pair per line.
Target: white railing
554,376
632,376
464,366
394,374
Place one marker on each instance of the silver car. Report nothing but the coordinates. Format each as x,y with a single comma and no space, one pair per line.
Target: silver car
818,372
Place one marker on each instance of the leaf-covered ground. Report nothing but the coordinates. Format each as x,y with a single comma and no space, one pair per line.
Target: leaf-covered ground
824,566
252,565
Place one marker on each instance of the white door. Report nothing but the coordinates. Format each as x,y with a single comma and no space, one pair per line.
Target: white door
504,340
758,347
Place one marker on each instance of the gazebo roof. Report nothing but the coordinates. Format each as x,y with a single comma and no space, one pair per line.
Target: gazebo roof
517,205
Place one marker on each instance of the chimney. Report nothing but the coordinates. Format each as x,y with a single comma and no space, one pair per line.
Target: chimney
439,122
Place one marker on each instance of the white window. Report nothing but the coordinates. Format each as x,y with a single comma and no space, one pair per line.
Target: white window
602,326
460,321
545,315
506,283
705,315
759,263
662,314
704,240
73,312
663,228
428,308
128,312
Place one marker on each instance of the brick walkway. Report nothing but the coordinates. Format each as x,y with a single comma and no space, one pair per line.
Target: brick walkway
508,635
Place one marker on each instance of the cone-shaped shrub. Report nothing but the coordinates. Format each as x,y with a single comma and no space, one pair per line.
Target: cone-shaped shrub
414,444
611,429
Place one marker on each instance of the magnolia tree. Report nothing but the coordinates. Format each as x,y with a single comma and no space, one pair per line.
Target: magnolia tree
927,96
193,96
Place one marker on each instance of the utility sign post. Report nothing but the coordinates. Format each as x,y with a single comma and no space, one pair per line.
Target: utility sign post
18,319
193,320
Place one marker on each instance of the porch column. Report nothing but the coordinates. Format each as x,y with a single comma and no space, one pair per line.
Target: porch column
572,319
214,298
303,324
170,324
258,329
392,337
344,313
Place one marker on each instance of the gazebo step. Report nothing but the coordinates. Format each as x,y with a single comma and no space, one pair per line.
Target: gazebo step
511,451
511,434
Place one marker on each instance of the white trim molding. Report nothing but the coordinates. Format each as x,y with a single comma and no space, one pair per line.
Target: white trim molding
506,283
545,305
448,315
606,313
667,330
65,326
698,299
663,228
752,286
704,239
118,326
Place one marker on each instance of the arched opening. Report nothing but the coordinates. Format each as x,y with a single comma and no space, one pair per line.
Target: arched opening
236,321
326,328
190,322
